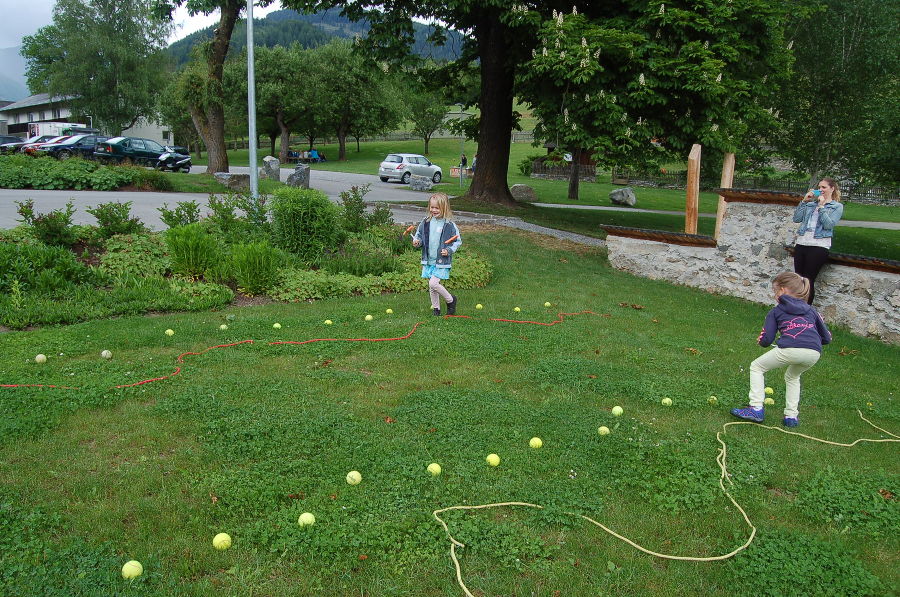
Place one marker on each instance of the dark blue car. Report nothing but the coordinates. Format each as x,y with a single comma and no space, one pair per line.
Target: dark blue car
82,146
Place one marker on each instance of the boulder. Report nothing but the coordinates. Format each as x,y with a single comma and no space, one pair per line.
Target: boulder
623,196
420,183
235,182
271,168
299,177
523,192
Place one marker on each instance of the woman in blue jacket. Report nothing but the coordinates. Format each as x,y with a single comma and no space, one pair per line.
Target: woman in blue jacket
818,213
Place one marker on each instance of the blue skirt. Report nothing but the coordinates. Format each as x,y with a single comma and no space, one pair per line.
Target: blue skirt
442,273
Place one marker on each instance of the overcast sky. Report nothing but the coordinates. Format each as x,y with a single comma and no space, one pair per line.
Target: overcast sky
24,17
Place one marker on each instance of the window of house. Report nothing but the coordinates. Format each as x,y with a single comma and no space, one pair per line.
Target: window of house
41,114
30,117
55,113
165,135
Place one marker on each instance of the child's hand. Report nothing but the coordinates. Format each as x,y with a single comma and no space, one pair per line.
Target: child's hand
417,242
444,252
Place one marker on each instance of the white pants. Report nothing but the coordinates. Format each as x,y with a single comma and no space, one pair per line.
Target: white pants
797,361
437,290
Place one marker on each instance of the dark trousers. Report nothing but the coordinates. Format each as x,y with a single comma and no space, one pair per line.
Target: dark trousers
807,262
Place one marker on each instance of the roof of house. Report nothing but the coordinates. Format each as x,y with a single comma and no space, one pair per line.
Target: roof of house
35,100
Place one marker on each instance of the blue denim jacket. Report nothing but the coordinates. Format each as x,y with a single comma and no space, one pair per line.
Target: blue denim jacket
829,215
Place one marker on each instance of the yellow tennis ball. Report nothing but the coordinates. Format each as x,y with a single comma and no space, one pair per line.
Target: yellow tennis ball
712,400
223,327
603,430
434,468
516,309
479,306
368,318
276,325
769,401
493,459
306,519
170,332
389,311
132,569
40,359
106,354
547,304
222,541
328,322
536,442
617,411
769,391
667,402
354,478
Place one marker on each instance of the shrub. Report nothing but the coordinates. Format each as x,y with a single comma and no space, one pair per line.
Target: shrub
53,228
353,208
380,216
255,266
110,178
527,163
185,212
114,218
305,222
362,255
27,265
135,255
192,251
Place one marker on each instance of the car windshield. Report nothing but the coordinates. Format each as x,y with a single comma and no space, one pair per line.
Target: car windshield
114,139
73,140
393,158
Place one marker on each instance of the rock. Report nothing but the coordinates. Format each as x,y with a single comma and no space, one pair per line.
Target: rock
235,182
299,177
623,196
420,183
523,192
271,168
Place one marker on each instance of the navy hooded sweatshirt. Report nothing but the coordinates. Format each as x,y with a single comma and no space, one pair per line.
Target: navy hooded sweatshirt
799,325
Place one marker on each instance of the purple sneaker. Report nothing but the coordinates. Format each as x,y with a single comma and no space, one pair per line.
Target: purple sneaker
748,413
790,422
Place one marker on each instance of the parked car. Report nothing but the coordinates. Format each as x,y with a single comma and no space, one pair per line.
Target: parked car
82,146
133,150
4,139
401,166
18,145
32,148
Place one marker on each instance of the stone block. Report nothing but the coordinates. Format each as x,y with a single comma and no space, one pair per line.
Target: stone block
271,168
299,177
235,182
523,193
420,183
624,196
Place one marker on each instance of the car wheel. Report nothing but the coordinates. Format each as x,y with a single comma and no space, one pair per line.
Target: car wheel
383,178
160,166
186,170
436,178
405,178
64,154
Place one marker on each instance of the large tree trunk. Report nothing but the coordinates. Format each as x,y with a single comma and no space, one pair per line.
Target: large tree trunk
342,145
285,137
271,143
216,151
215,113
427,139
575,174
496,103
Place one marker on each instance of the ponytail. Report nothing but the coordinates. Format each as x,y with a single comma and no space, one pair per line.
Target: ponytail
836,193
794,284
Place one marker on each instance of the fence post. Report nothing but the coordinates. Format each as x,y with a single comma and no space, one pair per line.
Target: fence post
691,208
726,181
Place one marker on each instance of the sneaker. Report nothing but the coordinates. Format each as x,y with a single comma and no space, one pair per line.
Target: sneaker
750,414
790,422
437,312
451,306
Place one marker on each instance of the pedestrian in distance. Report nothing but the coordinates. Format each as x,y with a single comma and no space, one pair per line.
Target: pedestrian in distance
440,239
818,214
801,333
463,161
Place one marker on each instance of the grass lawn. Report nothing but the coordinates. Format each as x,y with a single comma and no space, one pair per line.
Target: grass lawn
249,436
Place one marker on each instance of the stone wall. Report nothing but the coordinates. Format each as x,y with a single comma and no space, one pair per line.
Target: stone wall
750,252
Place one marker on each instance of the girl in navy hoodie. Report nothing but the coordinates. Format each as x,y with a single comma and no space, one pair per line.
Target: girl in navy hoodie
802,334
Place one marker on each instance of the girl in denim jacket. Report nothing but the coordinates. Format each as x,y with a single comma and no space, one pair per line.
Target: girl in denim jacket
439,238
817,214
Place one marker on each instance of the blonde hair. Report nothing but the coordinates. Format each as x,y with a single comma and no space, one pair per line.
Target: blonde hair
443,203
793,284
836,193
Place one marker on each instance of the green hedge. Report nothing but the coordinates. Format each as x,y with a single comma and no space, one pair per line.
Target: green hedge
25,172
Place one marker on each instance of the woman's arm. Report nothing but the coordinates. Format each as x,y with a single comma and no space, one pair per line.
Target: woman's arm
830,217
800,214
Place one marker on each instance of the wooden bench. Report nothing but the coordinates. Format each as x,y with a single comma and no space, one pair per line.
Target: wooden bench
299,160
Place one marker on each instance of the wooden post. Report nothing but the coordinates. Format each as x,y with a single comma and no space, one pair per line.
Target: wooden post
725,182
691,208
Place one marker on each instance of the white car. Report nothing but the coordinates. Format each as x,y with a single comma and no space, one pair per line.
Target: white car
401,166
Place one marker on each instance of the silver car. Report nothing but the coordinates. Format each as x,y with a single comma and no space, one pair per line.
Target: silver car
401,166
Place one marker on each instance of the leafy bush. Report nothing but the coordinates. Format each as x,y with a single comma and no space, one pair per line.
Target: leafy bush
149,179
110,178
380,216
34,265
135,255
22,172
114,218
53,228
353,208
361,255
192,251
234,228
305,222
255,266
185,212
527,163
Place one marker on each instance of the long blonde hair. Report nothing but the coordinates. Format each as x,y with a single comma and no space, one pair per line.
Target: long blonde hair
793,284
443,204
836,193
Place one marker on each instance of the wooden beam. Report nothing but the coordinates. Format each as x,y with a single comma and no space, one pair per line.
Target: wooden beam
692,205
725,183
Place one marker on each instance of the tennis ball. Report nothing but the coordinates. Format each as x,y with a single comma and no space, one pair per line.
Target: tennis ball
479,306
493,460
328,322
389,311
617,411
170,332
603,430
354,478
516,309
41,358
132,569
222,541
306,519
712,400
769,401
434,468
667,402
769,391
536,442
368,318
223,327
547,304
106,354
276,325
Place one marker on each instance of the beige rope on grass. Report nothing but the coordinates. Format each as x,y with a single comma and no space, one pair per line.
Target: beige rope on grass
720,460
